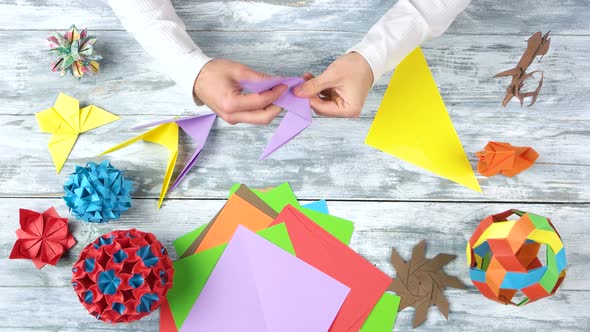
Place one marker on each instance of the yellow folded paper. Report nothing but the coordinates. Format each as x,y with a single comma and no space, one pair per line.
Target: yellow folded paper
65,121
165,135
412,124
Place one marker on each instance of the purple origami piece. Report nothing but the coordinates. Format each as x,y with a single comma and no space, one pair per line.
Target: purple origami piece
197,127
258,287
298,115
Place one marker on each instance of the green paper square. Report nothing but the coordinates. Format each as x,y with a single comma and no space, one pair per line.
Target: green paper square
381,318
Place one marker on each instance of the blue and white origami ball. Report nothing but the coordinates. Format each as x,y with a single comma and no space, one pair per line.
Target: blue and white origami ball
98,192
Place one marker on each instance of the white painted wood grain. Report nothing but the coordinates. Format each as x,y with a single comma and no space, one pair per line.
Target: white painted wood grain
392,203
481,17
463,67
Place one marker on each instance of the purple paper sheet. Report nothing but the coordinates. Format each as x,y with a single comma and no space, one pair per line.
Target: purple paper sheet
298,117
257,287
198,128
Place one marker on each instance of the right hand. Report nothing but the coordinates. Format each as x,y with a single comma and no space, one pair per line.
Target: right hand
218,86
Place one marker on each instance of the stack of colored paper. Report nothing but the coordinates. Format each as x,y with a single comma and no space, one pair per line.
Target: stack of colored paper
267,263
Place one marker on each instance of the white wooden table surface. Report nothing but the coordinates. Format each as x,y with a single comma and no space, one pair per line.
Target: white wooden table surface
392,203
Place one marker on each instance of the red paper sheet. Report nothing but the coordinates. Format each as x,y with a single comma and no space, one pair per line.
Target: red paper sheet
319,248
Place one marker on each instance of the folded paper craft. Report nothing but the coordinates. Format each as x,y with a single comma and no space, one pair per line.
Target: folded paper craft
412,124
503,258
537,45
298,117
505,159
421,282
75,52
122,276
42,237
319,248
166,134
256,286
65,121
98,192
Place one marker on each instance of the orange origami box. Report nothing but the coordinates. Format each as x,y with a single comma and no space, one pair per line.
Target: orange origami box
505,159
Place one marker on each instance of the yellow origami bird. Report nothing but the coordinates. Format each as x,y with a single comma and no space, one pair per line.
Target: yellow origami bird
65,120
165,135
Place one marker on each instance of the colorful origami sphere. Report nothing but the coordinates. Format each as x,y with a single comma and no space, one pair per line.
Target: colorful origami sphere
503,258
123,276
98,192
75,52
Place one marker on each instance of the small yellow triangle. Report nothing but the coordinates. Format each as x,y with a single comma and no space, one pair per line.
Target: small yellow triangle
412,124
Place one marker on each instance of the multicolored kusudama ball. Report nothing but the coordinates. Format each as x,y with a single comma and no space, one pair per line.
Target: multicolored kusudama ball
503,257
98,192
122,276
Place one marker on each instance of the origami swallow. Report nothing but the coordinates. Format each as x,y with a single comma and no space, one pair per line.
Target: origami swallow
166,134
298,117
537,45
503,158
65,121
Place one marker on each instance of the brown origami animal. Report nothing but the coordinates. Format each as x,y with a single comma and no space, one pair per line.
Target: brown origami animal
537,45
505,159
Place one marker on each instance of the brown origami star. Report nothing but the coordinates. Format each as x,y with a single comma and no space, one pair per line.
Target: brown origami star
420,282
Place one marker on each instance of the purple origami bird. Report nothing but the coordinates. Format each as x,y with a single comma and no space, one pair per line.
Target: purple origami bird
298,117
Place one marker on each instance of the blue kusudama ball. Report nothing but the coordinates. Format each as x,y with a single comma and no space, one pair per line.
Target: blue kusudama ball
98,193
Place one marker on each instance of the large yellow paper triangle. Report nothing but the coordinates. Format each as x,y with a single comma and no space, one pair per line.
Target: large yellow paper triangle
165,135
412,124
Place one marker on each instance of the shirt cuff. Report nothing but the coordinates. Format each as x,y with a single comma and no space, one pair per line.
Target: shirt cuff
185,69
371,56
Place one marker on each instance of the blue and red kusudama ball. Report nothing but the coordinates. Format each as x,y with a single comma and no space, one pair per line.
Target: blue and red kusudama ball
122,276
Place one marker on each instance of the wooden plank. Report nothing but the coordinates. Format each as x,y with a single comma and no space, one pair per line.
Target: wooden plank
481,17
463,66
446,227
57,309
328,160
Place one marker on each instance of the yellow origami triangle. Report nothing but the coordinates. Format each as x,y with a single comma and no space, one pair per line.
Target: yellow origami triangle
165,135
65,121
412,124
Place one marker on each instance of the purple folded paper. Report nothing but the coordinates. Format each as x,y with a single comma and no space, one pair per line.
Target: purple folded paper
197,127
298,117
258,287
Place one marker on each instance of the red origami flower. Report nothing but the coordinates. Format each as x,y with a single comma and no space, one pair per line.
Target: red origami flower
42,237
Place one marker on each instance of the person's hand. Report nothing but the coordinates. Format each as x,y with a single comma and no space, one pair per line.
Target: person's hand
218,86
341,90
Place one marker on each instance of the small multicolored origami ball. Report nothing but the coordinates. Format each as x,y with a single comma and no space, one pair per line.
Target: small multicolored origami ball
98,192
503,258
122,276
75,52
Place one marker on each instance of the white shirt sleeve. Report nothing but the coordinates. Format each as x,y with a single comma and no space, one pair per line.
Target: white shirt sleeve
158,29
403,28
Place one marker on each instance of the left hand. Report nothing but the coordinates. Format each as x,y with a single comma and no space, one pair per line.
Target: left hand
341,90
